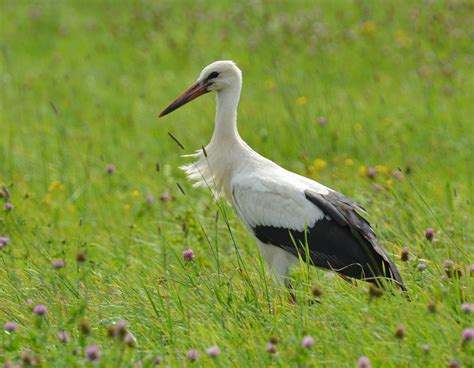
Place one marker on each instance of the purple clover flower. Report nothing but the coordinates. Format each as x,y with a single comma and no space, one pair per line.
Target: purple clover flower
397,174
165,196
8,207
188,255
322,121
40,309
467,308
371,172
58,263
10,326
192,355
93,353
453,363
4,241
470,270
271,348
307,342
63,337
158,359
363,362
429,233
421,267
213,351
448,263
110,169
150,199
467,335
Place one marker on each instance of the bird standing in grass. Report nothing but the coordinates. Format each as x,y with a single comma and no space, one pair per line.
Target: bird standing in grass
292,217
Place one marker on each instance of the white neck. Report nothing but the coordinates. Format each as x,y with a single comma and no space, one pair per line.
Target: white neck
226,115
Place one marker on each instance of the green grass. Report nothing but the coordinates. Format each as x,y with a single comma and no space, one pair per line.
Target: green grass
81,86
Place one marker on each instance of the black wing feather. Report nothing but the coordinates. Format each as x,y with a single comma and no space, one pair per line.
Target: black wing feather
344,242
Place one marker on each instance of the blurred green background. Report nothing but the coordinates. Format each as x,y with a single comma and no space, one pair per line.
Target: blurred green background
331,88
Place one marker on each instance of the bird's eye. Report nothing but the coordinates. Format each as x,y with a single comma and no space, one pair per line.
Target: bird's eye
213,75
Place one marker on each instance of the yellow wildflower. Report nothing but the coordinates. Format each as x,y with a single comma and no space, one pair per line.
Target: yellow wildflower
269,85
302,100
318,165
135,194
368,27
72,208
54,185
358,127
402,39
47,199
349,162
126,207
389,183
362,170
382,169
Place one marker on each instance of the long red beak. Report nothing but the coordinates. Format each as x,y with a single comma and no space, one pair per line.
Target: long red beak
196,90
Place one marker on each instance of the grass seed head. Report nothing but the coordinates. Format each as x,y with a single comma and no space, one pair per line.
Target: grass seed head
375,292
85,327
81,257
400,332
431,307
316,291
112,331
405,254
274,340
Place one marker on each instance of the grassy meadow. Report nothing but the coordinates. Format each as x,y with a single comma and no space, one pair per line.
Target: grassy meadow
371,98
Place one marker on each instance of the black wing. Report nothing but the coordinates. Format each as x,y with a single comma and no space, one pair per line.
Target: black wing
342,241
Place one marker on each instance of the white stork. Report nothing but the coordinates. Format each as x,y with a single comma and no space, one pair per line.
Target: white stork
290,216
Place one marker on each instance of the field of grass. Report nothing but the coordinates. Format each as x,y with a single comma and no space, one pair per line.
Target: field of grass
333,90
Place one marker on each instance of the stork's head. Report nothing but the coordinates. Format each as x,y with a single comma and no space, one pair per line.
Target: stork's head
218,76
